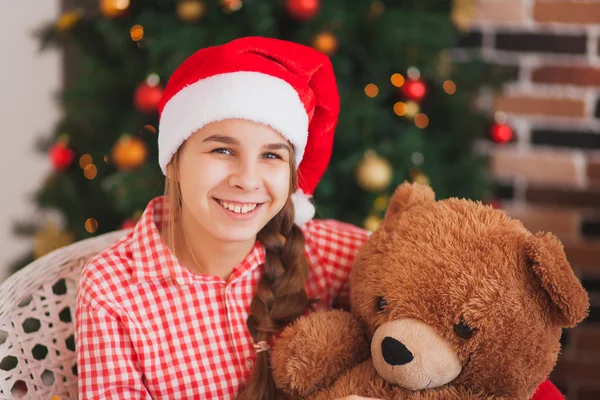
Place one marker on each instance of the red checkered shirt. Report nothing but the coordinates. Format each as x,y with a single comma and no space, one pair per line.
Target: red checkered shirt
146,327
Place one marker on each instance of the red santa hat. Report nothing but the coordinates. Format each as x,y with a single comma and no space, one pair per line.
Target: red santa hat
287,86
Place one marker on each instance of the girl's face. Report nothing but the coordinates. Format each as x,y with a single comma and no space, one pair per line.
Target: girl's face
234,177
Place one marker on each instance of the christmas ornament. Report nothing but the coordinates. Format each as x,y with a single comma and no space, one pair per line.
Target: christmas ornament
325,42
493,203
230,6
462,14
302,10
371,223
501,133
128,224
61,156
68,19
129,153
374,173
147,95
114,8
50,238
190,10
414,89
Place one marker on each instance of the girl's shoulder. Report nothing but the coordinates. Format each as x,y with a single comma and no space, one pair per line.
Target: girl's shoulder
107,270
330,230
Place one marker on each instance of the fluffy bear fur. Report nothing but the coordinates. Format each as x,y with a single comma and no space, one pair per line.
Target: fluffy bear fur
450,299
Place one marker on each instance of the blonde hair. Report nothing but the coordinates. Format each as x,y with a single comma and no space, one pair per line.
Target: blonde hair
280,295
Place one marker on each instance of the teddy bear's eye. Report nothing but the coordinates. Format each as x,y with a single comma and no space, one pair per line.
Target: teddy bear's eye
381,303
463,330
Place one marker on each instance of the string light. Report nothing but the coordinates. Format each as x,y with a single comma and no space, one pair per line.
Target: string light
397,80
421,120
400,108
90,171
449,87
85,160
91,225
371,90
137,33
413,73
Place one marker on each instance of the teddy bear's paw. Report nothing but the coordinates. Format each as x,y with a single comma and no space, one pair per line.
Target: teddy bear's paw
316,349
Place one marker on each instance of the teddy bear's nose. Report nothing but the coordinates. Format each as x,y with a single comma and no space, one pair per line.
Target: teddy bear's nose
394,352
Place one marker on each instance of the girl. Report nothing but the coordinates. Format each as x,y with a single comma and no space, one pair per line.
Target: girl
186,304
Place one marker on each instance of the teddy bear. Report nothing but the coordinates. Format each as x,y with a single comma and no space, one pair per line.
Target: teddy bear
449,299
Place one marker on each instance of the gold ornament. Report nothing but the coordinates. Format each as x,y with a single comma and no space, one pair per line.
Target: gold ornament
371,223
129,152
381,203
68,19
190,10
374,173
50,238
114,8
325,42
462,14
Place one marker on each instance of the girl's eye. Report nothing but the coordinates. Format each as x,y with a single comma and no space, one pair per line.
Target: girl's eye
272,156
222,150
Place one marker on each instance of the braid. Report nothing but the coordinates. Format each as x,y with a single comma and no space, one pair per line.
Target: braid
280,296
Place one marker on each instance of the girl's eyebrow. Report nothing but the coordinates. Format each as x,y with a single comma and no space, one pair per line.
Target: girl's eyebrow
222,139
233,141
278,146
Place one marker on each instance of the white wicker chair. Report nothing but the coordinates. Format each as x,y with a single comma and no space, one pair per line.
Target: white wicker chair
37,309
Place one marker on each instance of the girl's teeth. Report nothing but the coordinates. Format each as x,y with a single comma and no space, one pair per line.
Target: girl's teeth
237,208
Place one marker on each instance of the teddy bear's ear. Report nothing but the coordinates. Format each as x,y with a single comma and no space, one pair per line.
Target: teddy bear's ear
568,301
408,195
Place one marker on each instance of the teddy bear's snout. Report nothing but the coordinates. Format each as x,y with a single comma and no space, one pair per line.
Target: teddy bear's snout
410,353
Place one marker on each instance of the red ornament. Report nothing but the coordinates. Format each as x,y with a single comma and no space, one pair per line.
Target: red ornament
146,98
303,10
414,89
128,224
495,204
61,156
501,133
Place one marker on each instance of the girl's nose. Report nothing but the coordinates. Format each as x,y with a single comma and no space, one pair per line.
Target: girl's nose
246,175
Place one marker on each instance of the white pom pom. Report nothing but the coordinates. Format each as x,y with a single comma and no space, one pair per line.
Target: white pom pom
303,207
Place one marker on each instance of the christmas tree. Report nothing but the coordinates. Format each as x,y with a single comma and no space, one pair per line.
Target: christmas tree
407,110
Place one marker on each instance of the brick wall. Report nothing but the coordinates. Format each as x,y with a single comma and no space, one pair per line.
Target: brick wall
549,174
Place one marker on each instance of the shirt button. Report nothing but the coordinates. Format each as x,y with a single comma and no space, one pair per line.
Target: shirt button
249,363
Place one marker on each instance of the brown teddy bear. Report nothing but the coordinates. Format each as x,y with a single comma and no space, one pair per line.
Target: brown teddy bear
450,299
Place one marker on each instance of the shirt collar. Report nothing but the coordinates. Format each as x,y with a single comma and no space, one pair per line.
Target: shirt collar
152,259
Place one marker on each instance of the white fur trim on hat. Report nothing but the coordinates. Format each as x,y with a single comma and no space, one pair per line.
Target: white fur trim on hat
248,95
304,209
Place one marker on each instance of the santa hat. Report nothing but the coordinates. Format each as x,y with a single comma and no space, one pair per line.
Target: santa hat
286,85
